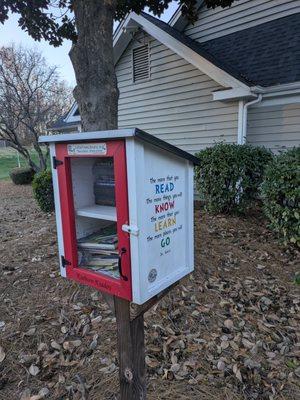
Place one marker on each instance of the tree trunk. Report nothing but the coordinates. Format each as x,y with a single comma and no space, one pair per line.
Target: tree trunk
41,156
96,92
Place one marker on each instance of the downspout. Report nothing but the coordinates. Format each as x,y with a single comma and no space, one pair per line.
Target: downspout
242,135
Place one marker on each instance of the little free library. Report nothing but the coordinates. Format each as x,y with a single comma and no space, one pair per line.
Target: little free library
124,211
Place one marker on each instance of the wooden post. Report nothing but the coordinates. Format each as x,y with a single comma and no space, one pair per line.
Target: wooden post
131,350
131,343
139,366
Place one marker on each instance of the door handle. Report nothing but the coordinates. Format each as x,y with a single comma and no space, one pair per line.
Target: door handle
122,252
131,229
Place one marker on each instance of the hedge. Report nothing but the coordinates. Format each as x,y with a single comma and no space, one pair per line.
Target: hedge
281,196
22,176
43,191
229,176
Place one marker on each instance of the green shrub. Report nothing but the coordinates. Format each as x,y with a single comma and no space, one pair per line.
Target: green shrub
43,191
281,195
22,176
229,176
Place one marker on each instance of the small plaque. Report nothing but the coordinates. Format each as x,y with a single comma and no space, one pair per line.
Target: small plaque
152,275
96,149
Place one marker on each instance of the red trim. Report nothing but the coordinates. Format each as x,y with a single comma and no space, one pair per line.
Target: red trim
118,287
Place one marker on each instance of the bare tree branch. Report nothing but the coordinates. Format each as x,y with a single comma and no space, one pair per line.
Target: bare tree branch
31,97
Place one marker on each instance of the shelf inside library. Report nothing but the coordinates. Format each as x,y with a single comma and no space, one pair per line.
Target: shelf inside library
100,212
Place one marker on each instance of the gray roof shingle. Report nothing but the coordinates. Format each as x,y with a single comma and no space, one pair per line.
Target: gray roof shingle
265,55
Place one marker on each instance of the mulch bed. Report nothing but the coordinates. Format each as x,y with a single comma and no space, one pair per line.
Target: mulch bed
229,331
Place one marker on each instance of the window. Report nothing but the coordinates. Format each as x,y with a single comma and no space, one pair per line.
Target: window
141,63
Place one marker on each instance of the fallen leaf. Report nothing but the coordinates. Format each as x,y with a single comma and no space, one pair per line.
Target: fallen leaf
2,354
64,329
26,394
97,320
175,368
34,370
71,345
221,365
108,370
247,343
43,392
28,359
152,362
237,373
42,347
224,345
30,332
55,345
93,344
260,266
228,323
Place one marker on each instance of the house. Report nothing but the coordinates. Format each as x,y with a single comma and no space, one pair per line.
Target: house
233,76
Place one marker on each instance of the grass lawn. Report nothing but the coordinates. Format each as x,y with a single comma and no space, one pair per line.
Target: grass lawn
9,160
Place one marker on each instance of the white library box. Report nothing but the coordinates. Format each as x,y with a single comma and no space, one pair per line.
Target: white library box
124,211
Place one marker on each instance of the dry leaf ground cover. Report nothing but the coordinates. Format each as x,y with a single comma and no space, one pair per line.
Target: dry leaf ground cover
230,331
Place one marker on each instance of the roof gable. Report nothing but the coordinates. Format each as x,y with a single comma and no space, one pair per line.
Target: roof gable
197,48
70,120
185,47
264,55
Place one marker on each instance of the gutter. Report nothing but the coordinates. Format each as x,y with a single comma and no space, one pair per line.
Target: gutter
278,90
243,118
241,93
63,127
288,93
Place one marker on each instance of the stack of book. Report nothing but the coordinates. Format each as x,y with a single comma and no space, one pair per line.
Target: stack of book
104,182
98,251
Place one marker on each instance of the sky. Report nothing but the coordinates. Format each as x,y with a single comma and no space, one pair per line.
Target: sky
11,33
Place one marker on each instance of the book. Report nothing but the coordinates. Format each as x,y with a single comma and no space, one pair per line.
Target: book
107,262
104,182
111,271
107,244
89,257
98,252
103,252
105,239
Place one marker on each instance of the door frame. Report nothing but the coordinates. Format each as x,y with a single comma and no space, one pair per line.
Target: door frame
119,287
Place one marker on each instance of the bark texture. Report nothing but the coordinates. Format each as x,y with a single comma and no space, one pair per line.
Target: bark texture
96,92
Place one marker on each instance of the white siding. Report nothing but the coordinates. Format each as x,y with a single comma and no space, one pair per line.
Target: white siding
276,127
241,15
175,104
